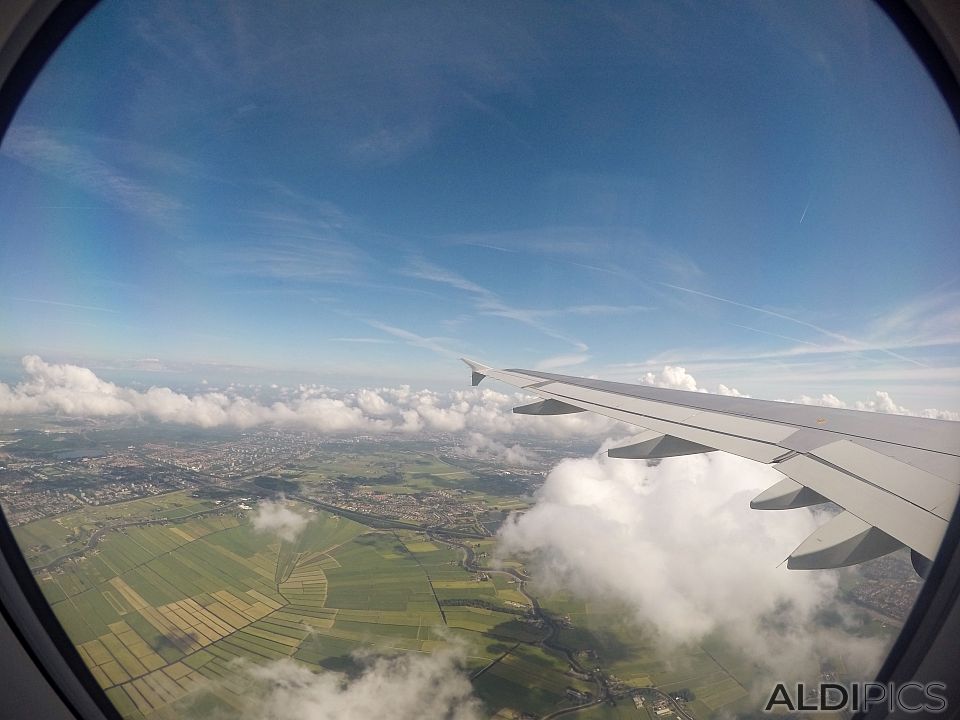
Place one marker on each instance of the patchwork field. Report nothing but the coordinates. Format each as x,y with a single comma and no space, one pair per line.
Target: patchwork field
168,615
170,610
44,541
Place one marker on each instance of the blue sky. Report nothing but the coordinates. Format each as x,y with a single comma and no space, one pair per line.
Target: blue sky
764,194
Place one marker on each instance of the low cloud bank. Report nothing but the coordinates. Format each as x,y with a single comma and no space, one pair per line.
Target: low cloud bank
678,544
277,518
73,391
404,687
880,402
677,378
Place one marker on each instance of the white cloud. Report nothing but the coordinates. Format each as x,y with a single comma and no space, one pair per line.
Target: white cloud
372,403
940,414
74,391
881,402
278,518
679,545
825,400
480,446
403,687
677,378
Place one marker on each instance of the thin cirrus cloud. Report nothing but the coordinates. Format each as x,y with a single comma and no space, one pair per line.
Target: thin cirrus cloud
427,65
434,345
57,303
317,260
599,310
925,327
600,248
54,154
369,340
851,344
287,236
562,361
486,302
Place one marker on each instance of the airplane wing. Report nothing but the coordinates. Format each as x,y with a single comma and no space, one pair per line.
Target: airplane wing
896,478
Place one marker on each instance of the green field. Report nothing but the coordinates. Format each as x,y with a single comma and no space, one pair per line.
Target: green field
401,471
161,613
44,541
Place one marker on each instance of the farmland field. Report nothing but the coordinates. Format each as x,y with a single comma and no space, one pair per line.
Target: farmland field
167,615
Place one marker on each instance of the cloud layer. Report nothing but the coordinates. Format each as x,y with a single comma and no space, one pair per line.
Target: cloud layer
74,391
677,378
678,544
404,687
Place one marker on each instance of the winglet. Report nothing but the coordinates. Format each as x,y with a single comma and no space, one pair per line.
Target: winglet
478,371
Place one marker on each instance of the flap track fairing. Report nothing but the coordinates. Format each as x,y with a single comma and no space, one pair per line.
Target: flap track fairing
786,495
844,540
547,407
664,446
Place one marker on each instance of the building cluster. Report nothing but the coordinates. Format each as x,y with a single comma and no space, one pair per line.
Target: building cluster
22,504
893,599
436,508
246,455
32,488
38,485
580,696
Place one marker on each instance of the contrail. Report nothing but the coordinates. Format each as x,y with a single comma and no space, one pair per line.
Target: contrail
65,304
804,213
804,323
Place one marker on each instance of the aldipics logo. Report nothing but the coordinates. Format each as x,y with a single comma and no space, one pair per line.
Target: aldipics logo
910,697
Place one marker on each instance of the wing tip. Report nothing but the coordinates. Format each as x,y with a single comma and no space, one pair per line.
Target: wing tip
479,370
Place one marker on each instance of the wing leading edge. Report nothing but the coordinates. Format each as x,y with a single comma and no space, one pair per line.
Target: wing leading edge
896,477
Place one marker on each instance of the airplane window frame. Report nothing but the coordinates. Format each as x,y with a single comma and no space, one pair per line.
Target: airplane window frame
32,30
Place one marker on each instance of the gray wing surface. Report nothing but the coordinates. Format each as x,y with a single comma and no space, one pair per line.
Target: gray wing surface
897,478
